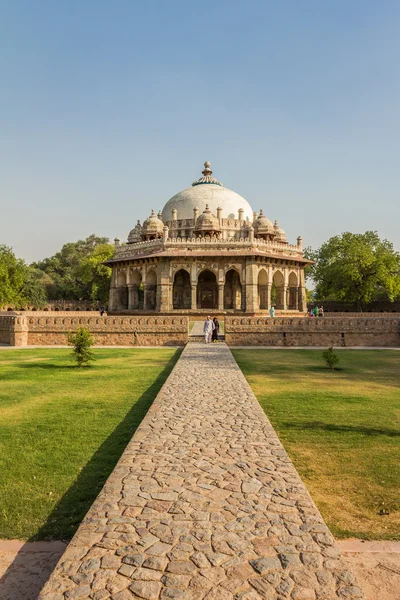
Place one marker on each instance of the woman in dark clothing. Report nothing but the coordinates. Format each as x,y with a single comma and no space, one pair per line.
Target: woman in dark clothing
215,330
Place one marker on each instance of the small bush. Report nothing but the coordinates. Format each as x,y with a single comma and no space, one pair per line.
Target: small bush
81,341
330,358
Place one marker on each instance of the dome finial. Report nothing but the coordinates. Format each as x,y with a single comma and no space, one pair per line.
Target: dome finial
207,169
207,176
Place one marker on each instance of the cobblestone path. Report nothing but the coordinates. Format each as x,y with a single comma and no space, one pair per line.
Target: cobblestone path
203,504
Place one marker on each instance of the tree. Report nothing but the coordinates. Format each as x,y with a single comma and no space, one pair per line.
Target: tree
355,268
330,358
81,341
76,272
34,287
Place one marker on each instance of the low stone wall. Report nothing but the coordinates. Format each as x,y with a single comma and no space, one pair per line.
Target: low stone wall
357,331
109,331
6,324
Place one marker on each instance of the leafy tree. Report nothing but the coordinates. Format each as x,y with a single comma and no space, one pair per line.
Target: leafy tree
12,274
81,341
356,268
95,274
76,272
34,287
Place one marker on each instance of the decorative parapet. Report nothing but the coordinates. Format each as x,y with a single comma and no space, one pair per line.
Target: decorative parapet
328,331
116,331
206,243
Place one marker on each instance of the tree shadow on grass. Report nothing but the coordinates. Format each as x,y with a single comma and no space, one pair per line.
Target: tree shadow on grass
67,515
371,431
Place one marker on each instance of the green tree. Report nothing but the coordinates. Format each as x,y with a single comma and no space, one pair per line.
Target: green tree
355,268
34,287
330,358
95,274
12,275
82,341
76,272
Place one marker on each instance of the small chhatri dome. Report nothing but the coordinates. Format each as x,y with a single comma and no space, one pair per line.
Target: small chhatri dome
152,225
135,235
262,225
207,223
207,176
279,232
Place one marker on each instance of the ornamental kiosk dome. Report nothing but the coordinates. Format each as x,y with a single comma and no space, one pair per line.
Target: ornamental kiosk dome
135,235
206,191
207,223
280,234
263,227
152,227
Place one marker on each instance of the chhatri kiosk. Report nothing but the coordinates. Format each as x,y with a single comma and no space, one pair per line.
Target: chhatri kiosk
207,251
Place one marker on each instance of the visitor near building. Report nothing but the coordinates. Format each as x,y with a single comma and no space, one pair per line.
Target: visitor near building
321,311
215,330
272,312
208,330
316,311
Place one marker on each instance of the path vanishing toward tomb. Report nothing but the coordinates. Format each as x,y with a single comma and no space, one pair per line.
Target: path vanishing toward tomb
203,504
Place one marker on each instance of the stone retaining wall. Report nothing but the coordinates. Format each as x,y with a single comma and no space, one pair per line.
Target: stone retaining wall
357,331
110,331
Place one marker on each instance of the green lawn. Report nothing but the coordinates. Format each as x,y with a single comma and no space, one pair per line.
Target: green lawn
63,429
341,429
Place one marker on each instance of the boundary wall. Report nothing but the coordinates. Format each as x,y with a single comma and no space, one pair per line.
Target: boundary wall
34,330
335,331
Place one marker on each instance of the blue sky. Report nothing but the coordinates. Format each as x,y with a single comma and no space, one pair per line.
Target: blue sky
107,109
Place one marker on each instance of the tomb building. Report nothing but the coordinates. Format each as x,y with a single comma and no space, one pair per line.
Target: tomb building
207,251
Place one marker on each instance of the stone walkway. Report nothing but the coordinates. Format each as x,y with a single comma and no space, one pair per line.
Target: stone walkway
203,504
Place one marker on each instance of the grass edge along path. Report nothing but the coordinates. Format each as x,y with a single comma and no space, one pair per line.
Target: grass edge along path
341,429
63,429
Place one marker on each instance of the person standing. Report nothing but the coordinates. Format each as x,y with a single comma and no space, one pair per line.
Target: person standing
215,330
272,312
208,329
321,311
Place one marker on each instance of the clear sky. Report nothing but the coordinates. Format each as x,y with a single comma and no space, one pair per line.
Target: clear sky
107,109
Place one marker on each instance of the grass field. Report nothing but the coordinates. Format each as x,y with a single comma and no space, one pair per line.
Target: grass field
63,429
341,429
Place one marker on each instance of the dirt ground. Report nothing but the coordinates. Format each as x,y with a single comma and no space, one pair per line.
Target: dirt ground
24,567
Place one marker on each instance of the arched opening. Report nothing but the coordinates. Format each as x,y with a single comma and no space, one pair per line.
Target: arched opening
182,291
263,289
136,291
151,290
278,282
207,290
232,291
293,292
122,290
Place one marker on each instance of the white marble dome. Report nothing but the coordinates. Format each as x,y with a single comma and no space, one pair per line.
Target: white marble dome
207,190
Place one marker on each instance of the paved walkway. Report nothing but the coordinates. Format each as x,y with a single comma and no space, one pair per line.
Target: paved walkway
203,504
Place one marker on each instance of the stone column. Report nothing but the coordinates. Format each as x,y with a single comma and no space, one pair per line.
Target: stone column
194,296
164,286
285,291
132,296
302,293
251,287
113,299
220,296
269,288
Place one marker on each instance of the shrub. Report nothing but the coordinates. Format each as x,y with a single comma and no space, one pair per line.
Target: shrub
81,341
330,358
